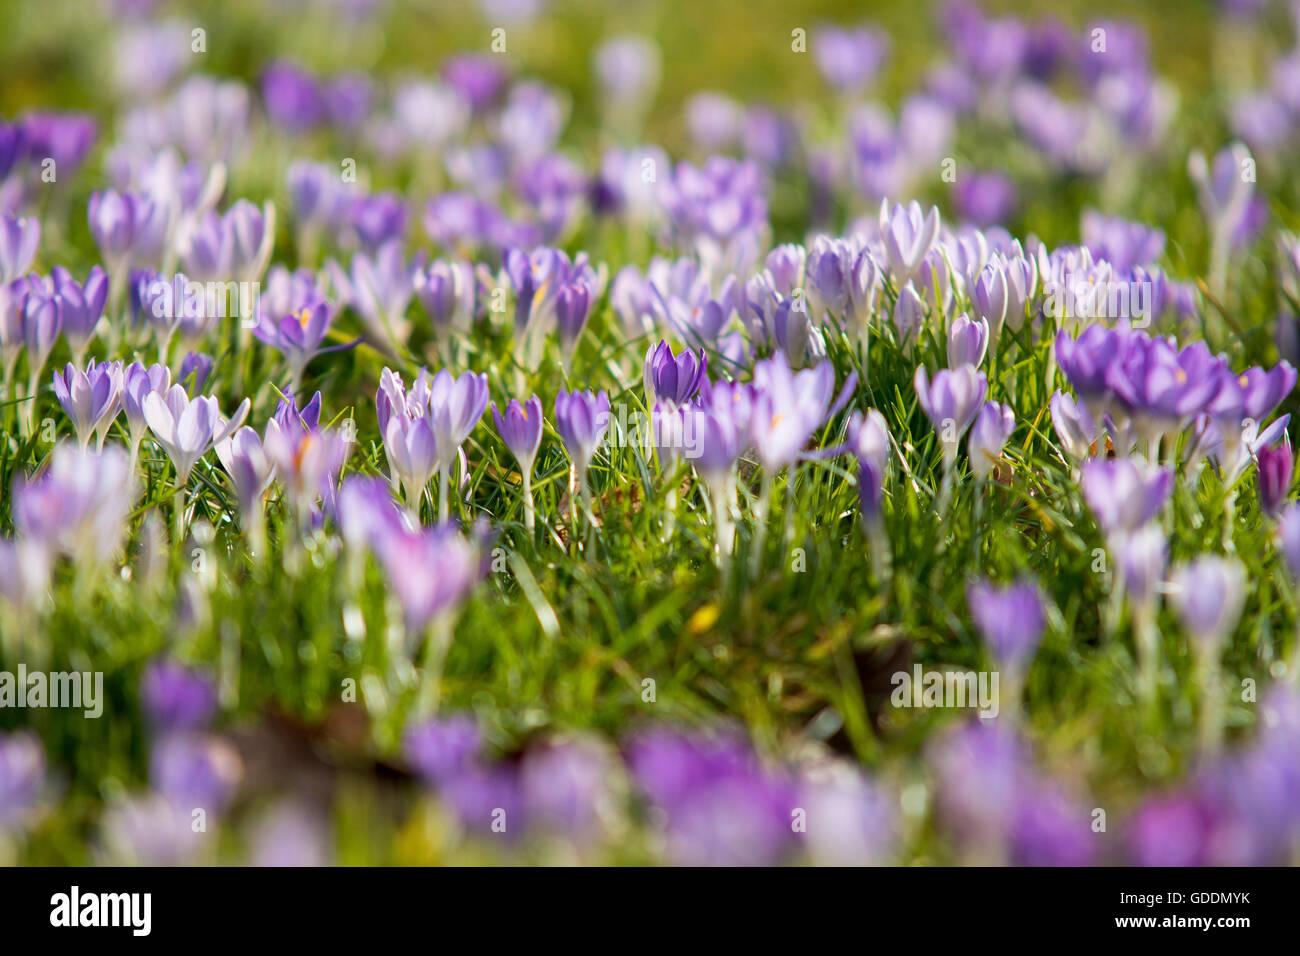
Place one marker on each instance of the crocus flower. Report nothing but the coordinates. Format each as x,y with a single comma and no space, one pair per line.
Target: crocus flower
581,419
80,306
1074,426
18,241
138,382
674,378
849,59
572,309
1208,595
194,371
567,788
993,426
909,235
789,406
307,458
22,778
448,290
176,697
951,401
186,428
298,336
856,818
1275,467
379,288
455,406
91,398
990,296
1288,530
443,747
1143,556
79,505
521,429
412,452
967,341
909,315
249,468
1011,620
236,246
1124,494
431,571
129,229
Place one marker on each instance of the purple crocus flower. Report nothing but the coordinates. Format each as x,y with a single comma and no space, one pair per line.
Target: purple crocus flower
1125,494
951,401
850,59
129,229
909,315
566,788
572,309
1074,426
478,79
91,398
788,406
176,697
65,138
673,378
18,241
249,468
22,778
412,452
80,305
443,748
993,426
984,199
432,570
448,292
138,382
1011,620
967,341
521,429
455,406
192,770
1208,595
79,505
194,371
581,419
234,246
1288,531
990,295
294,98
298,336
379,288
1143,557
1275,467
377,219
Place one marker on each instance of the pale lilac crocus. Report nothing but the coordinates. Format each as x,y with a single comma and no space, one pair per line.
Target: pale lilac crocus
1124,494
92,399
298,336
138,382
1209,594
186,428
455,406
19,239
251,472
951,400
1142,558
1011,620
909,234
993,426
1275,468
581,419
412,452
968,340
1074,426
717,427
79,505
379,288
520,427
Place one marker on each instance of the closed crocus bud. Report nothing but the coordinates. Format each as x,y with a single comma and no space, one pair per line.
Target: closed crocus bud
18,241
1143,557
581,419
868,439
951,401
909,234
1022,283
967,341
1208,595
871,489
1074,426
673,378
572,308
447,292
993,426
139,381
81,305
1011,620
176,697
909,315
1275,467
1124,494
1288,531
990,296
521,429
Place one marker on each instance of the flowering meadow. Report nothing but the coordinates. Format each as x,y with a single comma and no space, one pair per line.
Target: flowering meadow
537,431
